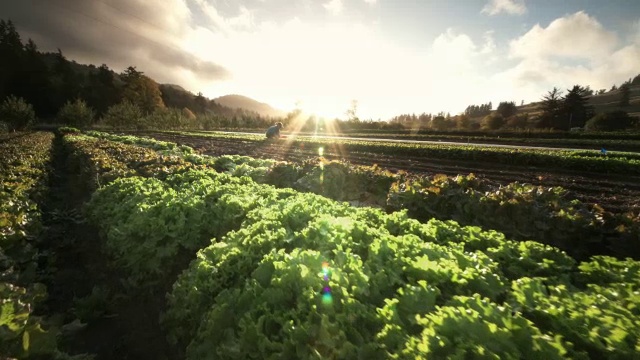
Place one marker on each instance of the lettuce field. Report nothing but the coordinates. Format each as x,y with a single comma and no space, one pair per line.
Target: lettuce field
124,247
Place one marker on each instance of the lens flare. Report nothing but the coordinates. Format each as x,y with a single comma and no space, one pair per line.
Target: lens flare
325,272
320,151
327,298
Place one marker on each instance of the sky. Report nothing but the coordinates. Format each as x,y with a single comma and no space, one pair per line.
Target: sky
391,56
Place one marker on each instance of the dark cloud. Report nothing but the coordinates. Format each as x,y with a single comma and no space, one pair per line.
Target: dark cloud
119,33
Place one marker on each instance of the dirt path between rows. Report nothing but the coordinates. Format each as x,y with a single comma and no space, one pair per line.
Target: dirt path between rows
614,192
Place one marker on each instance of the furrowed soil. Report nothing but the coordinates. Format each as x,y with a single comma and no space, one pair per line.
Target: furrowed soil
615,193
102,317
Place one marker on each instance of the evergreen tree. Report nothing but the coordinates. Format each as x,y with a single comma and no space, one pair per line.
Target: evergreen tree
66,83
36,81
507,109
101,90
625,94
200,103
140,90
11,57
551,107
576,109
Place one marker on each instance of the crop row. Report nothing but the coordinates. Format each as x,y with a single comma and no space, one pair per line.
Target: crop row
542,135
520,211
596,143
103,161
584,160
284,274
24,161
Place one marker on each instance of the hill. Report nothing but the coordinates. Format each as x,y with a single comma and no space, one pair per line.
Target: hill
246,103
601,103
176,96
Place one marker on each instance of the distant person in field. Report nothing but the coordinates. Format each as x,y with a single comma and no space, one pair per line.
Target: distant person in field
274,131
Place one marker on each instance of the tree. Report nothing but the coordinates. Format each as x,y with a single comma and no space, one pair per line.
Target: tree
440,123
588,91
507,109
463,122
17,113
478,110
610,121
576,109
11,57
625,93
124,115
140,90
101,90
492,122
76,113
200,103
352,111
66,83
35,81
551,107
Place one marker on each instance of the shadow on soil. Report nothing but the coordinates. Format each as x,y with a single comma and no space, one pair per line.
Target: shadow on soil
101,316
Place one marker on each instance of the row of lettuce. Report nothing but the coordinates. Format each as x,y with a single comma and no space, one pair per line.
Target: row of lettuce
613,142
24,170
578,160
277,273
520,211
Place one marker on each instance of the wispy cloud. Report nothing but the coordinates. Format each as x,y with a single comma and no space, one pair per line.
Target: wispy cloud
334,6
512,7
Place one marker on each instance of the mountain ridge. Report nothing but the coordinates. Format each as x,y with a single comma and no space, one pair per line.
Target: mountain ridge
244,102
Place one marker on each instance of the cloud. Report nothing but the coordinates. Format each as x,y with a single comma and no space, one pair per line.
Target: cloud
574,36
334,6
119,33
513,7
244,20
489,43
370,2
574,49
229,49
456,49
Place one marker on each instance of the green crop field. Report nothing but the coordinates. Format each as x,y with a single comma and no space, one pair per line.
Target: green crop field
164,252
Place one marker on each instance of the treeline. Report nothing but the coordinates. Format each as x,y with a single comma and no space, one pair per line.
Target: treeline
573,110
555,112
505,116
48,88
478,110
